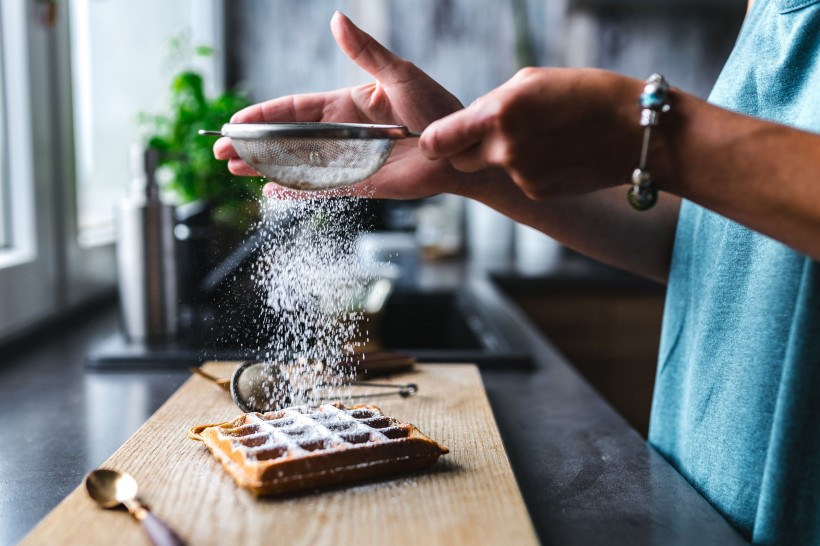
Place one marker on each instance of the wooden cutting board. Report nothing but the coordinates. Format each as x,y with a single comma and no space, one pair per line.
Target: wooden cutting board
468,497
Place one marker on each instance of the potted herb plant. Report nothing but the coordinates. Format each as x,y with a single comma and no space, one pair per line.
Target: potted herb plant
188,169
214,207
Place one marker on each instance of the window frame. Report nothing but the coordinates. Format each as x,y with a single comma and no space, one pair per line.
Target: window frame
89,271
28,267
5,232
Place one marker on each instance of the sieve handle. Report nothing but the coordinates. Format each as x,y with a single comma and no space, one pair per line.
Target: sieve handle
205,132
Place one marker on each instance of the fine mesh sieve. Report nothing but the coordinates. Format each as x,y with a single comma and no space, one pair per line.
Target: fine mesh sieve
313,156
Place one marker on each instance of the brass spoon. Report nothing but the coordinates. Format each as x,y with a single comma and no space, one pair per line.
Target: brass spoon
110,488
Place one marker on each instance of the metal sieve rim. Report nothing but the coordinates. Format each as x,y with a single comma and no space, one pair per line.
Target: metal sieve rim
315,130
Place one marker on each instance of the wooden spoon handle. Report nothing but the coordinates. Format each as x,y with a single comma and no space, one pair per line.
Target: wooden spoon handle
158,531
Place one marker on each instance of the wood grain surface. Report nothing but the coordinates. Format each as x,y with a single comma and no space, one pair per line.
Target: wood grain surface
468,497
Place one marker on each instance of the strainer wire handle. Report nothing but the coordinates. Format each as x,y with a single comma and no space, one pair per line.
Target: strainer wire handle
405,390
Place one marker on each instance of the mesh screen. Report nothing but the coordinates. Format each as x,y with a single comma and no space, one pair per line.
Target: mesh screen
314,163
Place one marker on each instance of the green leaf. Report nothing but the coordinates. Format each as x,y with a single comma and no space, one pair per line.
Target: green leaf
204,51
197,175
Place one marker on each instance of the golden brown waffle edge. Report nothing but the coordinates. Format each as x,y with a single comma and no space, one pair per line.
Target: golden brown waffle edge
300,448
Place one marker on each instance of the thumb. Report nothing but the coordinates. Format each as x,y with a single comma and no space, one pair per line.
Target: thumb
457,132
366,52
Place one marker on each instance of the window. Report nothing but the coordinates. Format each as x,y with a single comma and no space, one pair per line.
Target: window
4,174
69,97
121,66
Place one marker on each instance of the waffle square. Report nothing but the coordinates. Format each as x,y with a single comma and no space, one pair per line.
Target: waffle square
303,448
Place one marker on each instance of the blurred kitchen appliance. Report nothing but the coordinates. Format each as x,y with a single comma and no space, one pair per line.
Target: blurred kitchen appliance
146,259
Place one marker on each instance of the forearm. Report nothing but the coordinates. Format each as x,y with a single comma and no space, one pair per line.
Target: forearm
763,175
601,224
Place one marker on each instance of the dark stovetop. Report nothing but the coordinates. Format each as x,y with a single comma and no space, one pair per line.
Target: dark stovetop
431,325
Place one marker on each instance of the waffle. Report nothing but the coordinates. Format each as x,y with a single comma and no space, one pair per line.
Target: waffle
303,448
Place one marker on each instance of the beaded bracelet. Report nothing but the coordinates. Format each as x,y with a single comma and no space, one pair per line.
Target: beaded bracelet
643,194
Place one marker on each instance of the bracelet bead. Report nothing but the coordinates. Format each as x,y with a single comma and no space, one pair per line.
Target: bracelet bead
642,194
654,93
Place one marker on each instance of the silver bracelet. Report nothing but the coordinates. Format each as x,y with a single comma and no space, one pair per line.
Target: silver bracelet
643,194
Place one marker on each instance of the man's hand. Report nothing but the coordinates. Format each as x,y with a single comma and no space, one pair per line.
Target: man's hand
554,131
401,95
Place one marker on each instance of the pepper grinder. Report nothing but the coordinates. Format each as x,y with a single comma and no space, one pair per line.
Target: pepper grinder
146,260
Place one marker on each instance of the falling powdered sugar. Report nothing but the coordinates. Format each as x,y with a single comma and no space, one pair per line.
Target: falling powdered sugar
312,285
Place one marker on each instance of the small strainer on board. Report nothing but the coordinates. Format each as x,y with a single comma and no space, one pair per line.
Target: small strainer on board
313,156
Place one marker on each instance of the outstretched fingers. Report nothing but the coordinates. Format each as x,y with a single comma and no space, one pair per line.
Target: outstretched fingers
366,52
307,107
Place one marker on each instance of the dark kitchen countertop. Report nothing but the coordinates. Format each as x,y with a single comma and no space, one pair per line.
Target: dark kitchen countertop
587,477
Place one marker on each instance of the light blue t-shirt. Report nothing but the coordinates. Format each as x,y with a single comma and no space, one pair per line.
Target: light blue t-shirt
737,397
